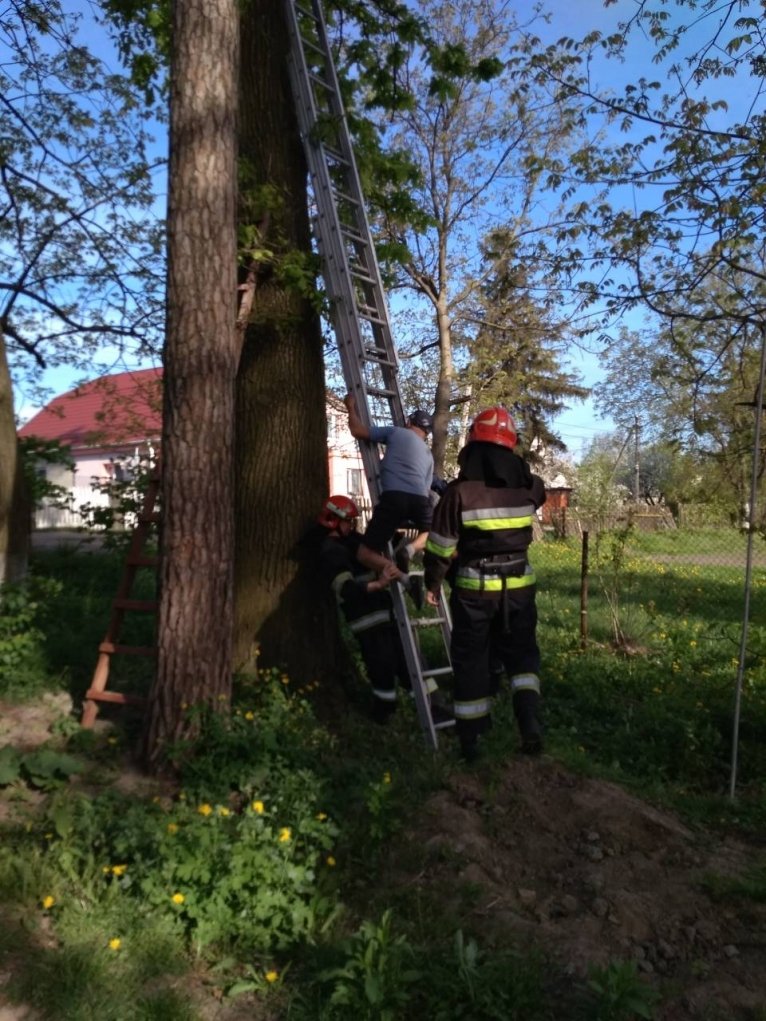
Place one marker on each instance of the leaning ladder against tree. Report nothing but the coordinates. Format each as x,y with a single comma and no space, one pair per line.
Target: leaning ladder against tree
354,285
123,603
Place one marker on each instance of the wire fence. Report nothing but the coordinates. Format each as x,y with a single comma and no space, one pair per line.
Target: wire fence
684,605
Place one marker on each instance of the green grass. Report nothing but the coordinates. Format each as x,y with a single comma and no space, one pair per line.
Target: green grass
310,928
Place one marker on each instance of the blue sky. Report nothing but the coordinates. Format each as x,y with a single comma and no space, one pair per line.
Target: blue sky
578,425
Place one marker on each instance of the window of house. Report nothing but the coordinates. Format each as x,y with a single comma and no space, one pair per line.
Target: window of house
354,481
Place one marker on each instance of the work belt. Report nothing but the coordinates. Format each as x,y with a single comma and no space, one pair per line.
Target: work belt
497,573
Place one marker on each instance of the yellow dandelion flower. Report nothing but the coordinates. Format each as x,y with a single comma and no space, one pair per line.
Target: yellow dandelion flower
223,811
106,869
119,870
284,679
172,828
271,976
249,715
330,861
386,777
321,816
178,898
693,644
48,902
115,944
257,807
285,835
205,809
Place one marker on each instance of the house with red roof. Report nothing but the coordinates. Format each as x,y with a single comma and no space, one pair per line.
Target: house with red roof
113,423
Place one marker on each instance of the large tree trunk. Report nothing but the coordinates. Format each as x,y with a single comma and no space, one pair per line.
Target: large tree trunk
200,360
281,418
14,505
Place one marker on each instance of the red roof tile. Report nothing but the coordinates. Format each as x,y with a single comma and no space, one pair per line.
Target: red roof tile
118,409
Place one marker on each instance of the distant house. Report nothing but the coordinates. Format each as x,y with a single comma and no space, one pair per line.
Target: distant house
112,423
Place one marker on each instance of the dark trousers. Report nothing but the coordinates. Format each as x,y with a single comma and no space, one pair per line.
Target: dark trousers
384,660
482,629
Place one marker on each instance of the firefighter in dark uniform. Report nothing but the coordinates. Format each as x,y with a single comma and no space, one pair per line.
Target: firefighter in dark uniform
364,601
481,529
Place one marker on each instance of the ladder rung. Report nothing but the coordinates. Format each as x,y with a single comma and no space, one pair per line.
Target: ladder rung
370,314
142,560
336,156
422,622
375,392
114,696
380,360
353,235
317,80
127,650
345,197
362,274
441,671
145,605
311,45
305,10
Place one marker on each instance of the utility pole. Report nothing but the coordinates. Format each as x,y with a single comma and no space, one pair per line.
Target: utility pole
637,484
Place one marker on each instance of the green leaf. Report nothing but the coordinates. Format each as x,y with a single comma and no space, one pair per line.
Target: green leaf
10,765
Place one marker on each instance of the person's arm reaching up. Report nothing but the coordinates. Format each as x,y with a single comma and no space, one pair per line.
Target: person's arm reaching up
356,426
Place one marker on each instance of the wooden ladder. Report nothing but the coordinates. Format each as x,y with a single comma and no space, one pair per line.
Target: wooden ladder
123,603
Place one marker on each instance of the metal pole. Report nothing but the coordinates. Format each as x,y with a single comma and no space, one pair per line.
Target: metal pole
759,410
584,592
637,491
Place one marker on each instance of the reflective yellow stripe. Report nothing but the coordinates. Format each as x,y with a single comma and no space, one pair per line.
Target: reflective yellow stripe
340,580
496,524
369,620
490,513
525,682
438,549
473,710
495,584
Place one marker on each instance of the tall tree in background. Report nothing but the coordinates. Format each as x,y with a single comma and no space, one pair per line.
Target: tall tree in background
517,352
479,133
695,384
200,358
79,251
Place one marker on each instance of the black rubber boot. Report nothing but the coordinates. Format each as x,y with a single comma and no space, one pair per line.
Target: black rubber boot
526,708
469,749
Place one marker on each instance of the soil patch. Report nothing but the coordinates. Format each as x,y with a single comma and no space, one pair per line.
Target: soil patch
590,874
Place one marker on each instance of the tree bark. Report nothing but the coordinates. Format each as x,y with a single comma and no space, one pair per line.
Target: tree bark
200,359
280,409
15,507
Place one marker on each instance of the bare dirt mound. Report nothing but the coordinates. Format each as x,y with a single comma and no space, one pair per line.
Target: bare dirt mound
591,874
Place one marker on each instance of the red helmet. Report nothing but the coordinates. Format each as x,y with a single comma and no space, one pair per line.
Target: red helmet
494,425
338,508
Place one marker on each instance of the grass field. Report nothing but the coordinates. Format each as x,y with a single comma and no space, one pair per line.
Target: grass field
255,869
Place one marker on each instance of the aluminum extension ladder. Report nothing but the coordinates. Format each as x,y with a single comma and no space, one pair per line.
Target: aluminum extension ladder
355,289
